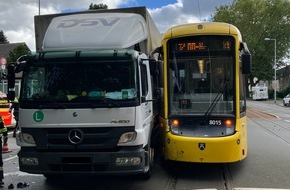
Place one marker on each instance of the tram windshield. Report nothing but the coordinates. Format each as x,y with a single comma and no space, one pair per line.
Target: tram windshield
201,75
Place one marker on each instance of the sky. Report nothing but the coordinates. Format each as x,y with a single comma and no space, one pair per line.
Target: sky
17,16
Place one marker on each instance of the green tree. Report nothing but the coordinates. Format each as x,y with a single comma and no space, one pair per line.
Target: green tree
17,52
98,6
257,20
3,38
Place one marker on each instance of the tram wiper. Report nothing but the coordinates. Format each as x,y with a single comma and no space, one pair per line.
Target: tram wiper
213,104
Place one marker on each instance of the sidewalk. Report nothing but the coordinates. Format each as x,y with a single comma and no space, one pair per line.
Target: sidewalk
279,102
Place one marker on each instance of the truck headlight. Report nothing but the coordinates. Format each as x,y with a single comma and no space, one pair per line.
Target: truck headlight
127,137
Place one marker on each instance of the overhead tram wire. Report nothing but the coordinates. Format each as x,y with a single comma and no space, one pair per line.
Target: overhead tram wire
198,10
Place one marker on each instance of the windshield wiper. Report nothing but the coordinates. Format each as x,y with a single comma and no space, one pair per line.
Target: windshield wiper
213,104
90,100
111,102
40,101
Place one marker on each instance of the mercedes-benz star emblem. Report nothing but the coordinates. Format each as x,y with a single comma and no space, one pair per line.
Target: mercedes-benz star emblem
75,136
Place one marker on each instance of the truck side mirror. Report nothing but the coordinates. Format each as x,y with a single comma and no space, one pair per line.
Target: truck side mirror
143,99
156,70
11,82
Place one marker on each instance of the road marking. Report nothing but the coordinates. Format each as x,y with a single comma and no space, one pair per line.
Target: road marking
19,173
10,158
240,188
287,121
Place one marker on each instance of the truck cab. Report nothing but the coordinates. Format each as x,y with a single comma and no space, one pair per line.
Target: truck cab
87,101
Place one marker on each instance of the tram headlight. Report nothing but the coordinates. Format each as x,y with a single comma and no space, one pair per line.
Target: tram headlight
174,126
230,127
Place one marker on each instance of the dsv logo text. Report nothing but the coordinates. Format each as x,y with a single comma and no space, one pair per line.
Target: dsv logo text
87,22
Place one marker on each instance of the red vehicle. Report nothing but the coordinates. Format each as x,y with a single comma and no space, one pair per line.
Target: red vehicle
4,110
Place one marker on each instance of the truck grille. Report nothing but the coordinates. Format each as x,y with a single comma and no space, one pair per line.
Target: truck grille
86,139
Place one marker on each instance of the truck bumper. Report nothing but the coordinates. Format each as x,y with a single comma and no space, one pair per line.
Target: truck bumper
83,162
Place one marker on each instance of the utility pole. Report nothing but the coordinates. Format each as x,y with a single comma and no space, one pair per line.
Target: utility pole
275,67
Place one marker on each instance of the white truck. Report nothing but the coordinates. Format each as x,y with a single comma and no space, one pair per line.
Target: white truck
89,95
260,91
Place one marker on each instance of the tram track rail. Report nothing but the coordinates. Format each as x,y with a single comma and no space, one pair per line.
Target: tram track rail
227,177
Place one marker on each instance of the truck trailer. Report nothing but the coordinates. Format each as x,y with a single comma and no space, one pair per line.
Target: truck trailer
89,94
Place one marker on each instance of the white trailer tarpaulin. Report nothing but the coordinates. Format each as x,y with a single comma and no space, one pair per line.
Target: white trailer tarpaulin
95,31
153,40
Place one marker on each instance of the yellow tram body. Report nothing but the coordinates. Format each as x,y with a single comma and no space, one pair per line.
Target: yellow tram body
204,126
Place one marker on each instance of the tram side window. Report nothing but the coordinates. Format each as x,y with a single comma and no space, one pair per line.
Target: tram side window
242,93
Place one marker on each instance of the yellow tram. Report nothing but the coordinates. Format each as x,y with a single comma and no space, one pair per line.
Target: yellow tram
203,116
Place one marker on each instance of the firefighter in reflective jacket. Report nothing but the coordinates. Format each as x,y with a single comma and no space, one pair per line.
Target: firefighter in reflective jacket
4,135
15,107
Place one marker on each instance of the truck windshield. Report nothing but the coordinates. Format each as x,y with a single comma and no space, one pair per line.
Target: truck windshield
201,71
97,83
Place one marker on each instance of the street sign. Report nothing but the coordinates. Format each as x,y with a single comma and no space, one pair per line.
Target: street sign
3,63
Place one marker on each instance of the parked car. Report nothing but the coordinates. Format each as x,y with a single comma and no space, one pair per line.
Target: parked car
286,100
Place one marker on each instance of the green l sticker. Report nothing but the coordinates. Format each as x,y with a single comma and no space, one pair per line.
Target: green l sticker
38,116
